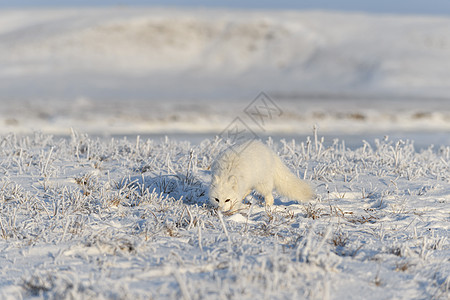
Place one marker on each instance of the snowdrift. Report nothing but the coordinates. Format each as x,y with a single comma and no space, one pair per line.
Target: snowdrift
95,69
280,51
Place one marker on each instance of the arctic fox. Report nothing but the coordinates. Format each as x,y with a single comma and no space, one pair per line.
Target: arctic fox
252,166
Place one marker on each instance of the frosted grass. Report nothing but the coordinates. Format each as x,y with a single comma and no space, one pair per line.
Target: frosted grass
116,219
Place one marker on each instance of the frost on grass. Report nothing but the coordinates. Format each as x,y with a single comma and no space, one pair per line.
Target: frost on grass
101,219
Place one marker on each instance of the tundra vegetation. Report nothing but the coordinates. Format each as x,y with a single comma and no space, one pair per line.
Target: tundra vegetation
116,218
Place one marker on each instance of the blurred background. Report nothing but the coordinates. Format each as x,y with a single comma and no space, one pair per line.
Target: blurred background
357,70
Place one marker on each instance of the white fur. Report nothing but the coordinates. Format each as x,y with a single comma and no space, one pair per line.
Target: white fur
252,166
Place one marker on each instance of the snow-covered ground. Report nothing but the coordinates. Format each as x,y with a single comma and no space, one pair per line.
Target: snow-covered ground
127,219
99,205
425,121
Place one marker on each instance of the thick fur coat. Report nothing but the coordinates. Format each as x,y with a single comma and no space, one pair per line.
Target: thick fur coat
252,166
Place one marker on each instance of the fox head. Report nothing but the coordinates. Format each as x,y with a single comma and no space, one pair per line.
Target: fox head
223,193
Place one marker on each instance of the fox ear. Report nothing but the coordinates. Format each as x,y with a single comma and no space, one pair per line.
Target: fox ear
215,178
233,180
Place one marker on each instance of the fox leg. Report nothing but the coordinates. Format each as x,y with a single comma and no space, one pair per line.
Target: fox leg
247,193
269,199
266,191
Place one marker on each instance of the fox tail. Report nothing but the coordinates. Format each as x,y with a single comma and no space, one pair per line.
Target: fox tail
287,184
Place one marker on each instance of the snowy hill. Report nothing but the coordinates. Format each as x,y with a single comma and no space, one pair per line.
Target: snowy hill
90,56
296,52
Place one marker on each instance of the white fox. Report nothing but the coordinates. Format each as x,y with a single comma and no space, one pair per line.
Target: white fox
252,166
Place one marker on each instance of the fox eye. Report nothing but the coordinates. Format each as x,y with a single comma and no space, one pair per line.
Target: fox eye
228,200
217,199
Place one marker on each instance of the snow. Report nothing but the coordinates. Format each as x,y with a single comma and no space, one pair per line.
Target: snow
283,51
97,218
127,70
97,203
